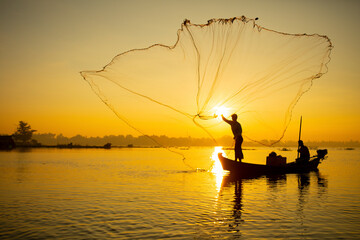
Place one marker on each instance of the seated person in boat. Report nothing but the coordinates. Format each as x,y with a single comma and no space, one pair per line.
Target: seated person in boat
304,152
237,131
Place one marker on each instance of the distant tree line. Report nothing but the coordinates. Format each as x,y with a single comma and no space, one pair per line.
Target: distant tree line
146,141
26,136
128,140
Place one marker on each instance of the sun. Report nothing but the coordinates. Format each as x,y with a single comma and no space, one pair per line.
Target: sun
221,110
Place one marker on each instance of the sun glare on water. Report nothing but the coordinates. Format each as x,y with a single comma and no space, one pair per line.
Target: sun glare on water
216,167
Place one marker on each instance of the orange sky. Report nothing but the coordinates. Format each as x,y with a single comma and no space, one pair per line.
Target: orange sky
45,44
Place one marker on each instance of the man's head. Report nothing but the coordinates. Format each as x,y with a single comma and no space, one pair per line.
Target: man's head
301,143
234,117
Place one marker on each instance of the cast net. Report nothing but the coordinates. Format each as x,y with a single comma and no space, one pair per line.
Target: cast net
222,67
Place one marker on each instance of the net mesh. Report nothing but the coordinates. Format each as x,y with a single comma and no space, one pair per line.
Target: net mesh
222,67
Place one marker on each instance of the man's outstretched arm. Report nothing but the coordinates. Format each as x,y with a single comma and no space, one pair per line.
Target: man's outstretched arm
225,120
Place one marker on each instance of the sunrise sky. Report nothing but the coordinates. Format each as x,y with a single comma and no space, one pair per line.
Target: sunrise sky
45,44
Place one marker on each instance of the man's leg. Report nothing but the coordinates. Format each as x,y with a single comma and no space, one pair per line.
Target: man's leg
238,151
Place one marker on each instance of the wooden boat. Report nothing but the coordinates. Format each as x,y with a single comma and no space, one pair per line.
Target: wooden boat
243,169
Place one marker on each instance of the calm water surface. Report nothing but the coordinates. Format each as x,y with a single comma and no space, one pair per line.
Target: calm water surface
151,193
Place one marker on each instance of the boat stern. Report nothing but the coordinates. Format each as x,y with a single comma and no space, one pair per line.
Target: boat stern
321,153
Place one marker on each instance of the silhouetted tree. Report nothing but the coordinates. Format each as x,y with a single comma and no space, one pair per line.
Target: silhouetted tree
23,132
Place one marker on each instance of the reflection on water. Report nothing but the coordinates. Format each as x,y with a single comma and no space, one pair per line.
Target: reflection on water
303,186
145,193
216,167
235,185
237,206
276,180
22,164
241,212
322,183
304,183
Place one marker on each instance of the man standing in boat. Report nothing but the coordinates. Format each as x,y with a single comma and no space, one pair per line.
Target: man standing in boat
237,131
304,153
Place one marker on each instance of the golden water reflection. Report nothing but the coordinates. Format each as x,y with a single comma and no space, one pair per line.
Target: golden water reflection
140,193
216,167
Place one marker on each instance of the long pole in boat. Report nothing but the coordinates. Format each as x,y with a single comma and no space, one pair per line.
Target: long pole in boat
299,136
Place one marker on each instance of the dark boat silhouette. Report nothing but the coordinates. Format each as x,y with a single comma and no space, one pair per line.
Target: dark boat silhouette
243,169
7,142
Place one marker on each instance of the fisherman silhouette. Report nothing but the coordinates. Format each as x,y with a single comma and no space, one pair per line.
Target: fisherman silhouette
237,131
304,153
